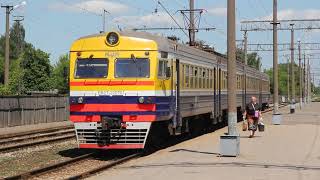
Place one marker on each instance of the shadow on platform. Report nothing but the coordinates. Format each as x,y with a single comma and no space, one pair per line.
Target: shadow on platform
229,164
194,151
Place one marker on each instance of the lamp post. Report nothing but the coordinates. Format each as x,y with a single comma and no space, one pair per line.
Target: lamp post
9,9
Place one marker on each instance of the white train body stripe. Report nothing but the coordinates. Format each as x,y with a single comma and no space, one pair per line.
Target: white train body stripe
123,93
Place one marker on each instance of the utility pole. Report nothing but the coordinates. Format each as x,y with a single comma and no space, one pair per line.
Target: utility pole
309,82
293,92
304,80
104,20
245,49
300,75
276,118
7,46
288,80
18,20
229,145
192,32
232,111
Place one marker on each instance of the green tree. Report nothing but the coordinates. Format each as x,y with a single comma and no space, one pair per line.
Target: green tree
60,75
254,60
37,69
17,41
1,68
283,79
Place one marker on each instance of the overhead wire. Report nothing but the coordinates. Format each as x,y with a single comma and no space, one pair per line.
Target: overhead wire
175,21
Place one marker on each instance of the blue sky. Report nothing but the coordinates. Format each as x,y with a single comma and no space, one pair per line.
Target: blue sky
52,25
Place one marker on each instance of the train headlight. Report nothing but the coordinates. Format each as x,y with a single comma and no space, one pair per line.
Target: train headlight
141,100
80,100
112,39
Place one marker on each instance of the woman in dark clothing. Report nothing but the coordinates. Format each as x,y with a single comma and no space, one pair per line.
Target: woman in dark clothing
252,113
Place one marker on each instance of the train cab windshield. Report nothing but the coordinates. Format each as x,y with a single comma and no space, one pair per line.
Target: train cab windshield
132,68
91,68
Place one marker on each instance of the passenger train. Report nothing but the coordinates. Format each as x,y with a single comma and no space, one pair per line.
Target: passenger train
128,88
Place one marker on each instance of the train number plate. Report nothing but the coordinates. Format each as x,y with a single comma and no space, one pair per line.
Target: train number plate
111,93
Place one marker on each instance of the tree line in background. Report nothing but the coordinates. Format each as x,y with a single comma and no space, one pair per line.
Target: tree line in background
283,80
30,68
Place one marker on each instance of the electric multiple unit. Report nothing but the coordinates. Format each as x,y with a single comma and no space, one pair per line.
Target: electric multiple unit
124,84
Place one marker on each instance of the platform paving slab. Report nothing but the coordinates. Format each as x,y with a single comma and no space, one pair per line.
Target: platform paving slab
290,151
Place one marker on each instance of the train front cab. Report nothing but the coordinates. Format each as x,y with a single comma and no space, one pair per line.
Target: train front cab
113,91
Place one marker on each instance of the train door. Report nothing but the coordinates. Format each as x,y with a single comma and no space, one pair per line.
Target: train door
178,118
175,95
244,88
215,99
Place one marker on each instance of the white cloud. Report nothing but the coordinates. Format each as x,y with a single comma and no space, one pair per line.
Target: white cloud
160,19
94,6
219,11
296,14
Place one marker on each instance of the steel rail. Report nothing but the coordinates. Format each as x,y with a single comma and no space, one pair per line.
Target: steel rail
34,136
49,168
29,144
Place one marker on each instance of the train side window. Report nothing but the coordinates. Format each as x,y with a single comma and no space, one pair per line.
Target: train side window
201,75
196,76
224,80
207,79
181,75
186,74
191,77
163,64
210,79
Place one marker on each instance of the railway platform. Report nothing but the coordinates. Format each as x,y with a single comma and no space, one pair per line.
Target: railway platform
9,131
287,151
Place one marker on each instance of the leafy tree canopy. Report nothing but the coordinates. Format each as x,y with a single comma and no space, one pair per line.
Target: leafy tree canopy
30,68
254,60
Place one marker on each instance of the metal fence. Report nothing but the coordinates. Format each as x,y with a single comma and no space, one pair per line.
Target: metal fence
25,110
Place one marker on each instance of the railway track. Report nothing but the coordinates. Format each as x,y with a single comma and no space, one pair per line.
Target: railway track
75,168
17,141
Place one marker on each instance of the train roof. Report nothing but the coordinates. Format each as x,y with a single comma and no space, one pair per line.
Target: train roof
167,45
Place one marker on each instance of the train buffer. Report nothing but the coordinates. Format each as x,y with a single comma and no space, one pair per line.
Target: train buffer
287,151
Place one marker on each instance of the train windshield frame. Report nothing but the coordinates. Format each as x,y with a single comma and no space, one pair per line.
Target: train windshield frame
91,68
132,68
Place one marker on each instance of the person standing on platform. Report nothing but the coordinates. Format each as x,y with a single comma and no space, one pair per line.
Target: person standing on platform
252,113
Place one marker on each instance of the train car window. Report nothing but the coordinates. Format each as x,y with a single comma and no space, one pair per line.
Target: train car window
138,67
192,77
91,68
186,74
181,75
164,55
202,74
225,80
196,85
163,64
208,79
